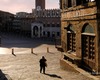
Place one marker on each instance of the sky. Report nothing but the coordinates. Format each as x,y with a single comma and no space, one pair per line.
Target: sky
14,6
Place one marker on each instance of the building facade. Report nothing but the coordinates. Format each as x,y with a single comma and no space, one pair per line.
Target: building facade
50,20
80,32
40,23
6,19
22,23
47,21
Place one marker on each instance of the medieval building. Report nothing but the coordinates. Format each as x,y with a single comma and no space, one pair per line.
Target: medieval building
80,33
22,23
6,19
47,21
40,23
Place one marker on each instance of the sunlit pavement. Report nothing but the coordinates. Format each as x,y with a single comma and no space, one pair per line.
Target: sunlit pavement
21,64
5,50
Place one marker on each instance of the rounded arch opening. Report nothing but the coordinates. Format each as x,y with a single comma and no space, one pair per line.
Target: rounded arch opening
70,28
71,39
35,31
87,28
88,45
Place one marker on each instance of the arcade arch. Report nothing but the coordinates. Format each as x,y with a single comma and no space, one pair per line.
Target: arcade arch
37,30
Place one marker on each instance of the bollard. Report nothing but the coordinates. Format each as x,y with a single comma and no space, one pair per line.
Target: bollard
32,50
47,49
13,51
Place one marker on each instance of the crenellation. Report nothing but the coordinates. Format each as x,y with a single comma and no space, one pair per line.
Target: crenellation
47,13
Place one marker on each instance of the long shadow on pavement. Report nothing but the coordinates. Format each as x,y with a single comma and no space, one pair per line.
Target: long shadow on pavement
53,75
24,42
4,76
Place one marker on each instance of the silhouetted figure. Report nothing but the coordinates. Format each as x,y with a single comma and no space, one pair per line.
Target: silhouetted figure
43,64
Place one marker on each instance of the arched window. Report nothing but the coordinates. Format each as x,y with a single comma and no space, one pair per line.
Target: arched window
71,39
88,42
87,28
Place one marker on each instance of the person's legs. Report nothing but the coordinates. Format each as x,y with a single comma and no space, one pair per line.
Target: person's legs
44,70
40,69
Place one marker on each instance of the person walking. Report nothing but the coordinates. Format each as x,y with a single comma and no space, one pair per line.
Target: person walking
43,64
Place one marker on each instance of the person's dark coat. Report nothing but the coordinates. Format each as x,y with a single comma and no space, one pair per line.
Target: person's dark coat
43,64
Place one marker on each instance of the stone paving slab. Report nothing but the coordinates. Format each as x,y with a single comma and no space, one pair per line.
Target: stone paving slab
22,65
26,67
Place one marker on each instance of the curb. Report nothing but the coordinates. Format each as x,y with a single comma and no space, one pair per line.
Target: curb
66,65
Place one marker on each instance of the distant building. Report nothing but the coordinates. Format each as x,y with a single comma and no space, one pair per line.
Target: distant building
47,21
80,33
22,23
40,23
16,24
6,19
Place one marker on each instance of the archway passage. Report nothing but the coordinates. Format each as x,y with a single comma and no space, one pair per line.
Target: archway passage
88,47
71,39
35,31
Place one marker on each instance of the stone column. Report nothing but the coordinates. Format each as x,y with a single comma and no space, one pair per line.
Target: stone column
98,36
78,43
42,32
39,31
98,49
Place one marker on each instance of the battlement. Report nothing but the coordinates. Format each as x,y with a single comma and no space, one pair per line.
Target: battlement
46,13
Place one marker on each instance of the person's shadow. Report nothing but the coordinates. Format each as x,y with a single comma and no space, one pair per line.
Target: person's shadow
4,76
53,75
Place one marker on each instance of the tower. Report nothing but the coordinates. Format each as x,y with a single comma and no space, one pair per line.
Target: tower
39,4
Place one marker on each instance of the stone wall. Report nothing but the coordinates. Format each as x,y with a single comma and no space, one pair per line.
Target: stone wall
78,17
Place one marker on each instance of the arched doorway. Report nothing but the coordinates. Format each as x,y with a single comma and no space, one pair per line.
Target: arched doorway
35,31
88,46
48,34
71,39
